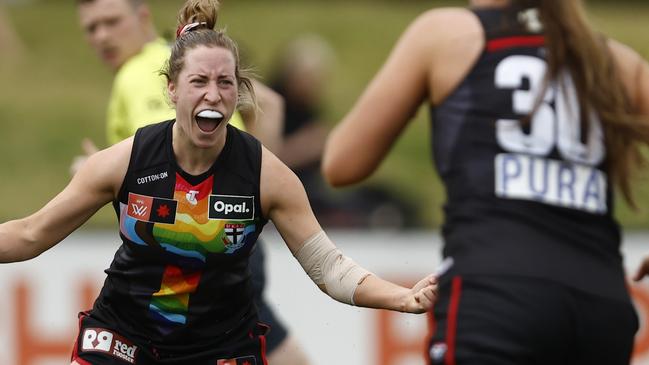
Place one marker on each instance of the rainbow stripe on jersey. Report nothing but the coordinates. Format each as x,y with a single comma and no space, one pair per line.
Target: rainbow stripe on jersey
182,228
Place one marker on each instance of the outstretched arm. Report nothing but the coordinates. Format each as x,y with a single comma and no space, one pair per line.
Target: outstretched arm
285,202
94,185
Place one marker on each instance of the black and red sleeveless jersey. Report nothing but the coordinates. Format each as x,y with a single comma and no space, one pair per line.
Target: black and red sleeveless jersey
180,280
525,197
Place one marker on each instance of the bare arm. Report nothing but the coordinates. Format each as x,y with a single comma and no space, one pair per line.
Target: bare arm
428,62
285,202
268,125
357,145
634,71
94,185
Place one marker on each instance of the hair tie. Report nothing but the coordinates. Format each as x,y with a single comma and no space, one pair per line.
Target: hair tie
188,28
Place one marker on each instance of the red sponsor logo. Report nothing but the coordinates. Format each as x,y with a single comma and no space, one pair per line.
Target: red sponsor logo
106,341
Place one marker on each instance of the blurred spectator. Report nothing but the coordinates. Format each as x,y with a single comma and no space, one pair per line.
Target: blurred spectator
301,73
301,77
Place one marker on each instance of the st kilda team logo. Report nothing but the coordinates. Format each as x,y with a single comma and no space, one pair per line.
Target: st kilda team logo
234,232
235,210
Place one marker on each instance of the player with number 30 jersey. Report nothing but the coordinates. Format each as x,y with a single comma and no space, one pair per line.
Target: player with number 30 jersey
535,118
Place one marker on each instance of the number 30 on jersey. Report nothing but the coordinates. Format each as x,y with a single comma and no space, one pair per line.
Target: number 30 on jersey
525,170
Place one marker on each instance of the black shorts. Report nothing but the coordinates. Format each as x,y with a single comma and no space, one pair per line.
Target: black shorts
278,331
504,320
98,343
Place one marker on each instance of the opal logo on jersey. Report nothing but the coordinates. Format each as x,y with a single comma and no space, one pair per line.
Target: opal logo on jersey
232,207
106,341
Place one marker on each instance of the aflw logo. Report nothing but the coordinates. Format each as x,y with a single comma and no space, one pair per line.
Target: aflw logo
139,210
232,207
150,209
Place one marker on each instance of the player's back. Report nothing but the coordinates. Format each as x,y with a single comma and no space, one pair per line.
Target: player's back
525,197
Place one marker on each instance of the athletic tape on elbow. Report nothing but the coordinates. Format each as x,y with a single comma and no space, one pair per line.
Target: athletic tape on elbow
325,264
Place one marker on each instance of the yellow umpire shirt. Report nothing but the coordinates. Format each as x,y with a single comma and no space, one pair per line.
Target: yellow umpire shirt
139,94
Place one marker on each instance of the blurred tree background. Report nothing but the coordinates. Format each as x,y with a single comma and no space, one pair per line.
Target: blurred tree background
53,90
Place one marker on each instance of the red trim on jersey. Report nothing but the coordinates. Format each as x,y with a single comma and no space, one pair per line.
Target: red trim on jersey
75,350
262,340
451,321
511,42
81,361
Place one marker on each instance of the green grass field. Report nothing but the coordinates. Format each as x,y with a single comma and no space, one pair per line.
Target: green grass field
55,93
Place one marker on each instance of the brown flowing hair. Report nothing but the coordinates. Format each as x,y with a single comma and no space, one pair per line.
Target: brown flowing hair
574,46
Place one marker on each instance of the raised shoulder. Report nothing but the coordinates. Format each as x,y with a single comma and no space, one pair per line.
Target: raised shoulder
444,24
634,72
442,18
458,39
432,56
628,60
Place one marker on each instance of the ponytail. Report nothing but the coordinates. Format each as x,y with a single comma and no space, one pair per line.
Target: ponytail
572,45
202,12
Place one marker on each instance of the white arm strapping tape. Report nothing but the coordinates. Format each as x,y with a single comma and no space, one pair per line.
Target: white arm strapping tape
325,264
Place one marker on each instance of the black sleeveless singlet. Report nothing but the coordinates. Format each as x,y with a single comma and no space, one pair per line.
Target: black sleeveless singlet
180,280
525,198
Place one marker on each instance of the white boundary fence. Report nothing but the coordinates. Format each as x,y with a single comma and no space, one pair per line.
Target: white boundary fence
40,299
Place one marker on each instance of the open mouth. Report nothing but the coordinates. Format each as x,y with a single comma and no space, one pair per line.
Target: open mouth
208,120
